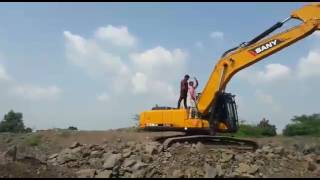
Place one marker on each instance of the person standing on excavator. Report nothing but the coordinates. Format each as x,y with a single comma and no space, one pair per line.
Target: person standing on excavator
192,92
192,97
184,91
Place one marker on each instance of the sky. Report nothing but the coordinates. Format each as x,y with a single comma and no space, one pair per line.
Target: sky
96,65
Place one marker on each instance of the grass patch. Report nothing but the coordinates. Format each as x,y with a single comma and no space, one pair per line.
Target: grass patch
33,140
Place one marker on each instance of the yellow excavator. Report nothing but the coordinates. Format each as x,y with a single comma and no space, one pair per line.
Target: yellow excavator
216,110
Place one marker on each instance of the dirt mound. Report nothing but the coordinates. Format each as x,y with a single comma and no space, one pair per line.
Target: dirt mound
145,160
29,167
128,153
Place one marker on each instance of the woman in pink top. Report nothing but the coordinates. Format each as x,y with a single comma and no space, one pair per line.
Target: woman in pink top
192,98
192,94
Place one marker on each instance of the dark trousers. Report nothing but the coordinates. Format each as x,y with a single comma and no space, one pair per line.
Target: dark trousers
184,98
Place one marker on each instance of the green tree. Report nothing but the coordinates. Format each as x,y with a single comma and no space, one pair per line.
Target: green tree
28,130
12,122
266,128
303,125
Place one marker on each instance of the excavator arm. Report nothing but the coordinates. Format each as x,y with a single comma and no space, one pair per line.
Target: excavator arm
216,109
255,50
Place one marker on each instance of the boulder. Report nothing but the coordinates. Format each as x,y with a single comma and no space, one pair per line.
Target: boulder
253,169
239,157
97,163
111,161
128,163
200,147
219,170
243,168
177,174
279,150
152,148
86,173
167,155
317,159
53,156
210,172
260,162
74,145
104,174
66,156
138,174
266,149
96,154
76,150
226,157
126,153
312,166
138,166
130,144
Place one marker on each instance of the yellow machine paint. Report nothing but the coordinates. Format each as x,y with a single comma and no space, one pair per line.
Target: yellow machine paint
175,118
232,62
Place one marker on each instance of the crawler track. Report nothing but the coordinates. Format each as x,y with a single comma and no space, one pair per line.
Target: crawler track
239,144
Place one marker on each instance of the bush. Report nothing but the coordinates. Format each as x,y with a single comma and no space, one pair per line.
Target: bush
72,128
33,140
12,122
261,130
303,125
247,130
28,130
266,128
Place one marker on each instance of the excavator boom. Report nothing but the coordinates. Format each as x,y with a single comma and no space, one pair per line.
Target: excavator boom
257,50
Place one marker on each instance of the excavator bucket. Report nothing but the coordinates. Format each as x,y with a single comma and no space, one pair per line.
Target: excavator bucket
308,12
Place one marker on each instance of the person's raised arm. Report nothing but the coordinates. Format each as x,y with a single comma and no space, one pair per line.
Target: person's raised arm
197,83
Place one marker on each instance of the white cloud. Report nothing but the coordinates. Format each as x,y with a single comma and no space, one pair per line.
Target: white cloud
271,74
88,55
160,63
274,72
32,92
317,34
309,66
139,81
159,55
103,97
119,36
3,74
75,41
217,35
148,73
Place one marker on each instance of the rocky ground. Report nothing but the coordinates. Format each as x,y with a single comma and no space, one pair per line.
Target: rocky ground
133,154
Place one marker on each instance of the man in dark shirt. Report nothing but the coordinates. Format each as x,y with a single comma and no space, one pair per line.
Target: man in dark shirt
184,91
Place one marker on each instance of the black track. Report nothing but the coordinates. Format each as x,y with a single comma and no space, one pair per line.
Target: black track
207,139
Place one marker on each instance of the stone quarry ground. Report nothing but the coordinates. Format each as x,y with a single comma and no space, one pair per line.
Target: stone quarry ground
128,153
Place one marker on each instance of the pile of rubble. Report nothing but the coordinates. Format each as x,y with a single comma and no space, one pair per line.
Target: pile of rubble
145,160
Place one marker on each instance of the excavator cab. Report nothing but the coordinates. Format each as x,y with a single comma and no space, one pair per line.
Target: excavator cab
223,115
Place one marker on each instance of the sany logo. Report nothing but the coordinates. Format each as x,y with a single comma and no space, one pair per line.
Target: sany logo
264,47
